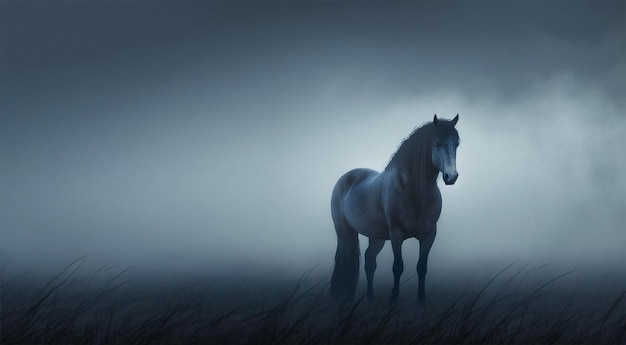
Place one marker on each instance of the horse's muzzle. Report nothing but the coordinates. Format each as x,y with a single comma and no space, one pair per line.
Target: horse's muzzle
450,178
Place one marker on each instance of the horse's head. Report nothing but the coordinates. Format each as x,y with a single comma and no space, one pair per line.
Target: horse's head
445,140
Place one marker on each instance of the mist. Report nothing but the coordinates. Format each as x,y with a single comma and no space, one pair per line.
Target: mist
208,137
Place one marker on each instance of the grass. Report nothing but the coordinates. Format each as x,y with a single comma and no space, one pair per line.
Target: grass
515,306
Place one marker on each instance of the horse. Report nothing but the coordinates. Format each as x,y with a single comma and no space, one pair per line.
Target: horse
400,202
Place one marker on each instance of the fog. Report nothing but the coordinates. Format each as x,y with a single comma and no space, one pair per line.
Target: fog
197,137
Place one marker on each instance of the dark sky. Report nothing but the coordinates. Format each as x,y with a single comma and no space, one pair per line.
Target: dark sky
195,135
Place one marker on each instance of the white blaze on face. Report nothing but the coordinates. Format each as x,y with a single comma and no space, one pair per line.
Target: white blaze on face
444,158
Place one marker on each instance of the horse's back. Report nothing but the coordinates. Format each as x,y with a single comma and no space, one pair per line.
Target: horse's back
349,180
353,177
356,201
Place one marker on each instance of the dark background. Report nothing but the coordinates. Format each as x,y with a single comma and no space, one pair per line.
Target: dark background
207,136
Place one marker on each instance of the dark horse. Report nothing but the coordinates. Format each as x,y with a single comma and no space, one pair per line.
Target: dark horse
402,201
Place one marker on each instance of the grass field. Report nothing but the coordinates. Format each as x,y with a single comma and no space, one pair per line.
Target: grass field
513,305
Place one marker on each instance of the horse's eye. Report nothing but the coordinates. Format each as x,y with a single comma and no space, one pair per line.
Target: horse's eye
438,144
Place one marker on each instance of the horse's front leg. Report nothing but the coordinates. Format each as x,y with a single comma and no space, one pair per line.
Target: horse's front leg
422,264
398,264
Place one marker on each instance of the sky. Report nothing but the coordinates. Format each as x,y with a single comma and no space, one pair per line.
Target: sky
207,136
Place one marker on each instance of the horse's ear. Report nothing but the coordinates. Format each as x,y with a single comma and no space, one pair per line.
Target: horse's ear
435,120
455,120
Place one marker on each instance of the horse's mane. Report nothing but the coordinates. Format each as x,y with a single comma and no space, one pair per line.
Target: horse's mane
414,146
414,155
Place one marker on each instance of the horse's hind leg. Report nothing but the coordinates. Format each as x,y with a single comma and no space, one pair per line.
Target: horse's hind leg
375,246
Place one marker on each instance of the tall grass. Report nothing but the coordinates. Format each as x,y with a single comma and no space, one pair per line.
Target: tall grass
512,307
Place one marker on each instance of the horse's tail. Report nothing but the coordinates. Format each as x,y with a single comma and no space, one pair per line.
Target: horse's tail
346,273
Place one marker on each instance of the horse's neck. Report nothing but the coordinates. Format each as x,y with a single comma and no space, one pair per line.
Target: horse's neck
416,178
415,167
426,177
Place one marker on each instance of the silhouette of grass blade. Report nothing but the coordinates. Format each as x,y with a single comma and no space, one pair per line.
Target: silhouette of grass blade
110,310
